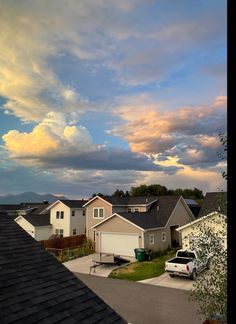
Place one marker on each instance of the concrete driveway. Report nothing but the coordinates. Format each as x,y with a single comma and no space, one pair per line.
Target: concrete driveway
83,264
144,304
165,280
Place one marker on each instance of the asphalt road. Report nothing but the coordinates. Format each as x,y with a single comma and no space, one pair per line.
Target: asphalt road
140,303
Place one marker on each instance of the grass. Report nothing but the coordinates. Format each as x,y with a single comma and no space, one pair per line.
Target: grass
142,270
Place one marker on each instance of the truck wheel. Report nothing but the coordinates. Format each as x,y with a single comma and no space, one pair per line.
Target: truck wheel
171,275
194,274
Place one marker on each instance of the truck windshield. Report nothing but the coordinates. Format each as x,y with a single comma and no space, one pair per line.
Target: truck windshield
186,254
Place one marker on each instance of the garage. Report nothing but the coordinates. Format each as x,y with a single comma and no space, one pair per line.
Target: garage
117,243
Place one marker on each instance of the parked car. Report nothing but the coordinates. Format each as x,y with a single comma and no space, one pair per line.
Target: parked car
186,264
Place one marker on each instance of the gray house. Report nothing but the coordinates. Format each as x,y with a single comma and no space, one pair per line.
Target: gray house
121,224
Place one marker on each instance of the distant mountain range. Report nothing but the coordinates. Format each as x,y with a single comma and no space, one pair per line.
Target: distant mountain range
31,197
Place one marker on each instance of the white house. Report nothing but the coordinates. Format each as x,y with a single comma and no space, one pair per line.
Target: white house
192,231
64,218
68,217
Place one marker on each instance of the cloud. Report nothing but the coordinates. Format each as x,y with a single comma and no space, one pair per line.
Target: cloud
191,133
53,144
51,136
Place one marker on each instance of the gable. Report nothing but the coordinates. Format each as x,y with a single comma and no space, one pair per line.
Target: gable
117,223
181,214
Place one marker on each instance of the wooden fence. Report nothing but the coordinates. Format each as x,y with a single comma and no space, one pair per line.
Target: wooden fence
71,253
64,242
70,247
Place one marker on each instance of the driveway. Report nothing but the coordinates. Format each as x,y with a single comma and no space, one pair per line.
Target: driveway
140,303
165,280
83,264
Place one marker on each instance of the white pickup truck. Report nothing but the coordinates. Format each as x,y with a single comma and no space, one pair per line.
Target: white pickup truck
186,264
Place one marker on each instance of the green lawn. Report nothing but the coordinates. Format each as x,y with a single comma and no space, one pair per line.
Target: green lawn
142,270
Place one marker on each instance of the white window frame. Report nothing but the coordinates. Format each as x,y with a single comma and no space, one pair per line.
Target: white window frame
59,214
74,230
59,231
84,212
163,236
73,213
151,239
129,209
136,210
99,209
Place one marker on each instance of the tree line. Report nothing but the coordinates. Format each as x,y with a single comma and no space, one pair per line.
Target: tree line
156,190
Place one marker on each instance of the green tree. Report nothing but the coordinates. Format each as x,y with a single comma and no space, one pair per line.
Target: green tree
210,288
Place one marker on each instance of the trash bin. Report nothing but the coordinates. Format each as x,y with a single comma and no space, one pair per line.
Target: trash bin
140,254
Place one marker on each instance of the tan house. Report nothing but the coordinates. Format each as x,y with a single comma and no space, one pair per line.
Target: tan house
191,232
121,224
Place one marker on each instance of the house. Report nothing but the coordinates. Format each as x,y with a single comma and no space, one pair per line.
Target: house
191,232
38,226
63,217
121,224
213,213
36,288
214,201
68,217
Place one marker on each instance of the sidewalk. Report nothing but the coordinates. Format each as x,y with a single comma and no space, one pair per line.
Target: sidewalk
165,280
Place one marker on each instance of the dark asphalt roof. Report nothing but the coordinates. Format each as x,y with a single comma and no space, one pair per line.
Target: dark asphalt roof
36,288
155,217
16,206
125,201
74,203
38,220
214,201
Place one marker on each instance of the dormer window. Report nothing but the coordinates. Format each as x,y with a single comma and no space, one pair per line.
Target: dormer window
129,210
136,210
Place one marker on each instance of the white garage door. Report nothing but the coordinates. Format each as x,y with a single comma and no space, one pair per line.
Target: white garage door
121,244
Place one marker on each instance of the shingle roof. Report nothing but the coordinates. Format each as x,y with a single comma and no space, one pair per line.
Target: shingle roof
126,201
38,220
214,201
155,217
36,288
74,203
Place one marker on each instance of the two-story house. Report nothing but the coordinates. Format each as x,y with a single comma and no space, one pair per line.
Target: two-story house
68,217
64,218
121,224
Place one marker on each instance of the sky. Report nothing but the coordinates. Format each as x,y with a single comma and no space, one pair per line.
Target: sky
97,95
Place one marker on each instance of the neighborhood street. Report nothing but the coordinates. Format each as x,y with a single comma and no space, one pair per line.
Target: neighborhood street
140,303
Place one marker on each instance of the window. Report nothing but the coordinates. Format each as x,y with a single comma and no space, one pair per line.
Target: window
163,236
94,235
136,209
59,232
74,231
73,213
59,214
151,238
84,213
129,210
98,212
